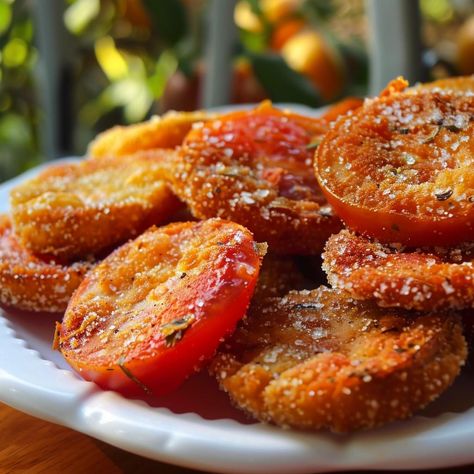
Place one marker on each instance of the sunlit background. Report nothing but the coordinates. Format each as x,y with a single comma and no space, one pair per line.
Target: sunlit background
130,59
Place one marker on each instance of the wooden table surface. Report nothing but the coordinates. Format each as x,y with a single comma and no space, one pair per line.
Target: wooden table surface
29,445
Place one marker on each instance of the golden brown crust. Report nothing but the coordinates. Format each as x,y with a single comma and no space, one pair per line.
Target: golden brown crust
341,108
255,168
73,210
461,84
34,283
167,131
319,359
423,279
161,304
401,168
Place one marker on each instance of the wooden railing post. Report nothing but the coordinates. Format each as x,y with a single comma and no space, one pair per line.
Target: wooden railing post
53,78
395,41
219,51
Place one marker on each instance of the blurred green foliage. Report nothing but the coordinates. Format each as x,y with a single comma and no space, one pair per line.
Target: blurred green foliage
127,51
19,114
124,53
281,83
130,55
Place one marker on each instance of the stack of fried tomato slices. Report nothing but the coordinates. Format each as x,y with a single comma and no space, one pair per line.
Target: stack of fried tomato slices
195,240
410,212
387,339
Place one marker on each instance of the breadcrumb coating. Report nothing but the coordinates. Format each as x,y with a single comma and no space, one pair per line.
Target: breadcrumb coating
166,131
160,304
255,168
319,359
424,279
34,283
74,210
401,168
278,275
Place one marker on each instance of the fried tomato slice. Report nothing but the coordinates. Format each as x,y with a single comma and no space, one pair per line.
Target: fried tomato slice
341,108
423,279
401,168
33,283
73,210
255,168
167,131
319,359
460,83
155,310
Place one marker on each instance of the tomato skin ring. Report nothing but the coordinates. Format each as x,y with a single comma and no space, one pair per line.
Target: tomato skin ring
347,105
389,172
367,221
219,292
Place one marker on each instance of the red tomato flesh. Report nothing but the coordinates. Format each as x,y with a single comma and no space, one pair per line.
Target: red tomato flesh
156,309
401,168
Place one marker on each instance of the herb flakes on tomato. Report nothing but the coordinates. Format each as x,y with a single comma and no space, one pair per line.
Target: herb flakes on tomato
401,168
155,310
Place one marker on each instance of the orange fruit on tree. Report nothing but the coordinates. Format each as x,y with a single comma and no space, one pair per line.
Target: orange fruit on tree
276,10
284,31
310,54
245,86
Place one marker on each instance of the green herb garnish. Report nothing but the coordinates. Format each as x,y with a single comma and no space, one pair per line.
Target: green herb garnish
128,373
174,330
313,145
430,137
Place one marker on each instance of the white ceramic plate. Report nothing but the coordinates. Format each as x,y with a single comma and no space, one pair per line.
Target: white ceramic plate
197,427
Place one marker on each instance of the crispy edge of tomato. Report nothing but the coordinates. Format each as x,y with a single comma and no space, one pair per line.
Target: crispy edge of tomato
171,365
391,227
266,108
341,108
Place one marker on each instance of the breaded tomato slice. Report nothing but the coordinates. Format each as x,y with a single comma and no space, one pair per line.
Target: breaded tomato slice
340,109
423,279
34,283
401,168
73,210
155,310
459,83
167,131
255,168
319,359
